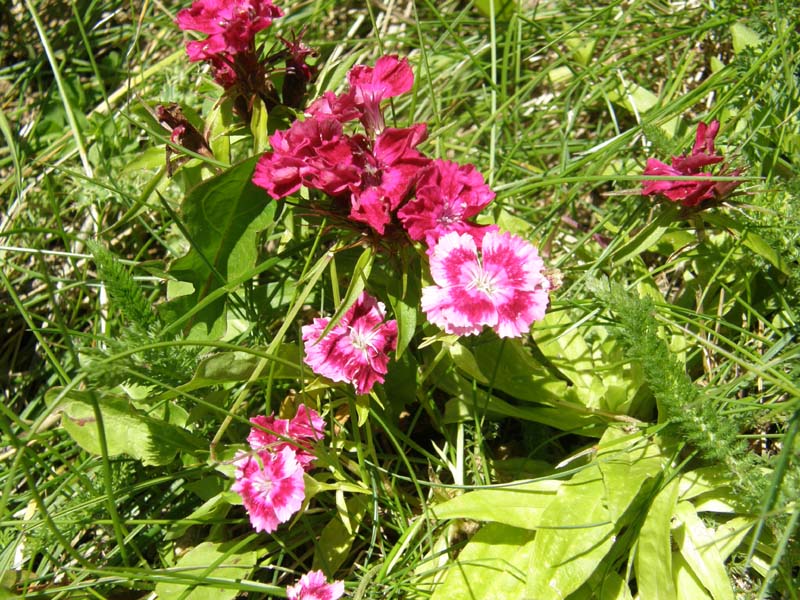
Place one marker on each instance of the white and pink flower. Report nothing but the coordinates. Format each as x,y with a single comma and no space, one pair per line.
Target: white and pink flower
356,349
314,586
500,285
271,485
271,434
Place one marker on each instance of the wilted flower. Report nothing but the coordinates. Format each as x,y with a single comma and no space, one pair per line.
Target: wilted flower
273,434
314,586
690,192
356,349
447,194
271,486
501,287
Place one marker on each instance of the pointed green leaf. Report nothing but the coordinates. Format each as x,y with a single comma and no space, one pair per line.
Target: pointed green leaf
516,505
221,218
653,560
128,430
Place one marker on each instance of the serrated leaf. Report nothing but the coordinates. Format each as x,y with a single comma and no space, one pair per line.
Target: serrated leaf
209,560
127,430
221,218
516,505
490,567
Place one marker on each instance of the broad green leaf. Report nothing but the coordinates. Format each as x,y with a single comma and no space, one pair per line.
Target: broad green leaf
653,560
516,505
337,536
501,9
743,37
703,480
490,567
221,219
730,534
587,513
687,585
211,510
639,100
239,366
128,430
208,561
218,125
465,360
696,544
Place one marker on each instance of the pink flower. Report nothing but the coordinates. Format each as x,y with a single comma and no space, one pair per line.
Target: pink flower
502,286
447,195
231,25
314,586
389,77
690,192
388,173
296,433
314,153
356,349
341,107
271,486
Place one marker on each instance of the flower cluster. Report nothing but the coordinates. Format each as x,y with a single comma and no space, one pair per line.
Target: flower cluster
314,586
699,189
270,477
230,50
377,177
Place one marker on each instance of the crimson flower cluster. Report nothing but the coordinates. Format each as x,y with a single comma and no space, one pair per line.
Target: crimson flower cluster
379,180
230,50
691,192
270,477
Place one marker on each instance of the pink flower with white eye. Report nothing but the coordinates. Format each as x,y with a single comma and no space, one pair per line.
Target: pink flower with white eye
447,195
271,486
389,77
356,349
314,586
272,434
231,25
501,286
389,171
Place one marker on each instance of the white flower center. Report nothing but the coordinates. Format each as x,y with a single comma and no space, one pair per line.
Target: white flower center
483,281
362,340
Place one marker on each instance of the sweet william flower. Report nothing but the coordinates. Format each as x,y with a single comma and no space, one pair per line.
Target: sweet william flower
388,173
447,194
689,192
271,486
314,586
356,349
314,153
231,25
390,77
500,285
298,433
